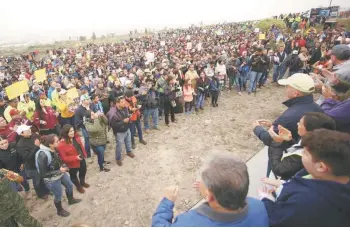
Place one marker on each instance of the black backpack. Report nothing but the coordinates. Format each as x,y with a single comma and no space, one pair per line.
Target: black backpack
295,63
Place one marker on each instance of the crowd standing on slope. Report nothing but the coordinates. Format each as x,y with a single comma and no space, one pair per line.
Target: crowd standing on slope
54,129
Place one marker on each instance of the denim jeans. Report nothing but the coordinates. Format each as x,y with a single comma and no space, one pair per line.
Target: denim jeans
38,183
254,78
86,142
147,112
264,77
200,100
69,120
56,189
133,126
122,138
16,187
278,72
100,152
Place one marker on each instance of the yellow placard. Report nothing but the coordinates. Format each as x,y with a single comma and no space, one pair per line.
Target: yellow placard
17,89
72,93
262,36
40,75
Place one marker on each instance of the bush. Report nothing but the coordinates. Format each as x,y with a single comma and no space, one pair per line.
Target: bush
266,24
344,22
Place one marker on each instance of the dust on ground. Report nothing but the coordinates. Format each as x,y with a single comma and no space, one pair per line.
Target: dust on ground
129,195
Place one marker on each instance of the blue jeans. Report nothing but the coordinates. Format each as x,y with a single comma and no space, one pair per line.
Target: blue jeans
278,72
69,120
200,100
254,78
133,126
147,112
38,183
56,189
100,152
86,142
122,138
16,187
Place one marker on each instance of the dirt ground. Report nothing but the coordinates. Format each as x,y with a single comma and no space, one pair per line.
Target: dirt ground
129,195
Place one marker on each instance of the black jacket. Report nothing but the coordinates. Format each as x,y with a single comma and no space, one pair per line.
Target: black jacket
258,62
81,114
47,170
117,121
287,167
27,149
10,159
297,107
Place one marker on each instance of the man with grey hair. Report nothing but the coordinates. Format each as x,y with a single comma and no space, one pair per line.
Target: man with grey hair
224,184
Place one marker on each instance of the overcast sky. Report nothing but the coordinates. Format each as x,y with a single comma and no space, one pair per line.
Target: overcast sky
64,18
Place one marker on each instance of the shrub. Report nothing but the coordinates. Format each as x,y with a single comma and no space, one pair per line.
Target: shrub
266,24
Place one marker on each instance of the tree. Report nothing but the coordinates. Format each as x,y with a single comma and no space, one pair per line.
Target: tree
146,31
135,32
93,36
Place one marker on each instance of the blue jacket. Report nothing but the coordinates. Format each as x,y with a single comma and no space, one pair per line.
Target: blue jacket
254,214
310,202
339,111
297,107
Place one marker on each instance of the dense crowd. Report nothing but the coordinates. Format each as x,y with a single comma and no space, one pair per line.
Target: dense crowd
50,133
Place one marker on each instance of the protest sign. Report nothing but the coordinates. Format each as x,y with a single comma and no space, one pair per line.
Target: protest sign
189,46
17,89
262,36
150,57
162,43
40,75
72,93
256,30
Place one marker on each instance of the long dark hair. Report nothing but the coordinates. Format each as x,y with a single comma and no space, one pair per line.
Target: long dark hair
64,133
39,109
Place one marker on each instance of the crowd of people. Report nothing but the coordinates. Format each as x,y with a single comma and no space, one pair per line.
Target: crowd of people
53,129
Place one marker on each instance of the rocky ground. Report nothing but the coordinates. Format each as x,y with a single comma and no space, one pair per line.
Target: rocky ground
128,195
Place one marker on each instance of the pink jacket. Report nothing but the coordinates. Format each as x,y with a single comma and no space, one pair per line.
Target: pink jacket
188,93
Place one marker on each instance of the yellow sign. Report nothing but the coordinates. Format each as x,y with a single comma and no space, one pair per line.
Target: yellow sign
262,36
17,89
40,75
72,93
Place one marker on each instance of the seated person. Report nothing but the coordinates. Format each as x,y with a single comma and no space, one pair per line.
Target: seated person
299,89
285,161
224,184
336,104
319,195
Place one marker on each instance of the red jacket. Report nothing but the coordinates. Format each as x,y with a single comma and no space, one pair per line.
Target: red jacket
9,133
50,119
69,154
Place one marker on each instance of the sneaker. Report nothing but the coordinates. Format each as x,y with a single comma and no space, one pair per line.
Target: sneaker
160,118
130,154
89,160
119,162
143,142
239,93
156,128
147,131
105,170
133,146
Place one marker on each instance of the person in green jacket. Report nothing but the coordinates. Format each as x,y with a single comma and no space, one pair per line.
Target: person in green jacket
97,129
13,211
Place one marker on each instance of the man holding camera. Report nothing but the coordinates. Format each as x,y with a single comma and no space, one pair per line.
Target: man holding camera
119,120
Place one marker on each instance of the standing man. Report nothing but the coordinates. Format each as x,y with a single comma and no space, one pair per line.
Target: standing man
119,121
258,60
278,68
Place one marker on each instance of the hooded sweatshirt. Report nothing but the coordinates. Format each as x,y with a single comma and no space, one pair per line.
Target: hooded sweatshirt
310,202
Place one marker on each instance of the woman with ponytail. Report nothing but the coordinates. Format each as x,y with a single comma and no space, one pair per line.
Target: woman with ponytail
54,172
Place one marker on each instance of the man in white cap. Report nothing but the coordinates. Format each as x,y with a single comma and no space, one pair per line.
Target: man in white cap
299,89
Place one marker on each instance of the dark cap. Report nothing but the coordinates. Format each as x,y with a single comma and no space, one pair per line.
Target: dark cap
341,52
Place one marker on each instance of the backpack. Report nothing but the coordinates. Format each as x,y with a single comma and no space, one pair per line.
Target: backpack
295,64
49,158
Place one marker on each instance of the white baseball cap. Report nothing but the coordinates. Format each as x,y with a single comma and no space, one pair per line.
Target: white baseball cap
301,82
22,128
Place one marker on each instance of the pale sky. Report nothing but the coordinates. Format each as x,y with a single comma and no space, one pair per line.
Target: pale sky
42,19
